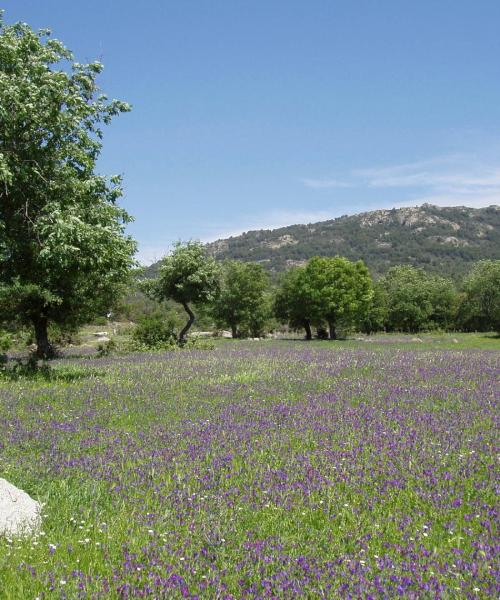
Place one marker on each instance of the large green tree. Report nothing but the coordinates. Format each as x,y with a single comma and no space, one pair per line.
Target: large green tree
340,290
480,308
63,248
418,300
242,302
293,302
187,276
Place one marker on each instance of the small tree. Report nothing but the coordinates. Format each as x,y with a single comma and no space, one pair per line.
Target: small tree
63,250
292,302
340,290
187,276
241,304
480,307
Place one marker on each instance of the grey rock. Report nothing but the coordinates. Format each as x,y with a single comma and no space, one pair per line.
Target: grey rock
19,513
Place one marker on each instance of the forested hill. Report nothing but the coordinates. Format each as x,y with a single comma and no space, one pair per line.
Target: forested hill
439,239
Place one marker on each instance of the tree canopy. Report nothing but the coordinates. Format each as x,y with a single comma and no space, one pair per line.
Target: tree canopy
63,248
375,317
418,300
339,290
241,303
187,276
481,304
292,302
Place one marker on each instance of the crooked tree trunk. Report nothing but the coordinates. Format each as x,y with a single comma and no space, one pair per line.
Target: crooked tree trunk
307,327
44,349
234,331
332,331
187,327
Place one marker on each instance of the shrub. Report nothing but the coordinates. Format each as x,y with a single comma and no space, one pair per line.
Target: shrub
106,348
5,341
154,332
5,344
101,321
198,344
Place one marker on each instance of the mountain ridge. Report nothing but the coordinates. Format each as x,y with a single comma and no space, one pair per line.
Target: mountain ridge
439,239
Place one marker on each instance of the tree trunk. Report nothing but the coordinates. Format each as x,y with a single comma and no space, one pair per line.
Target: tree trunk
332,331
44,348
183,333
234,331
307,327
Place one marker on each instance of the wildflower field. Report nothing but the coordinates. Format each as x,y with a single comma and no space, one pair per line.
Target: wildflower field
257,470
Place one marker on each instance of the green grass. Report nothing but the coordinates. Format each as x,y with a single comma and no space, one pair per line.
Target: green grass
230,468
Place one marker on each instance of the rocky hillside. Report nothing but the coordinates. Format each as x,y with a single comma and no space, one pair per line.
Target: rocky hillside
440,239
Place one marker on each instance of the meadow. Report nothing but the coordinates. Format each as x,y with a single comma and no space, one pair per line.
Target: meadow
276,469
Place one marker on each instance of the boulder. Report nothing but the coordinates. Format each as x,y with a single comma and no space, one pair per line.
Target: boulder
19,513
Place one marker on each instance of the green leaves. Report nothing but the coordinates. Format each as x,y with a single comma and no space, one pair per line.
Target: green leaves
62,236
293,300
188,275
418,300
340,290
242,303
332,290
480,307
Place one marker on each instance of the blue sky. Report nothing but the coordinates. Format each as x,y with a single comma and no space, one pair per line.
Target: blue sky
263,113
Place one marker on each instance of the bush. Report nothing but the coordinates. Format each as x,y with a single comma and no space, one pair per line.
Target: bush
5,344
106,348
101,321
154,332
5,341
198,344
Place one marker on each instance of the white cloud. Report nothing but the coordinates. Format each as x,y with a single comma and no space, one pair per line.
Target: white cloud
447,180
451,180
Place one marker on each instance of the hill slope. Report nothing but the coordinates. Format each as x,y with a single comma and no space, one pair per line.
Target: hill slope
440,239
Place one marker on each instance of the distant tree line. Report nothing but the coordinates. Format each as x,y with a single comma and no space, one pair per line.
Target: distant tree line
407,299
328,295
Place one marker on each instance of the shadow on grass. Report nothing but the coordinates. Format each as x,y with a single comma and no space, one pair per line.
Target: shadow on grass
32,370
92,354
314,339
